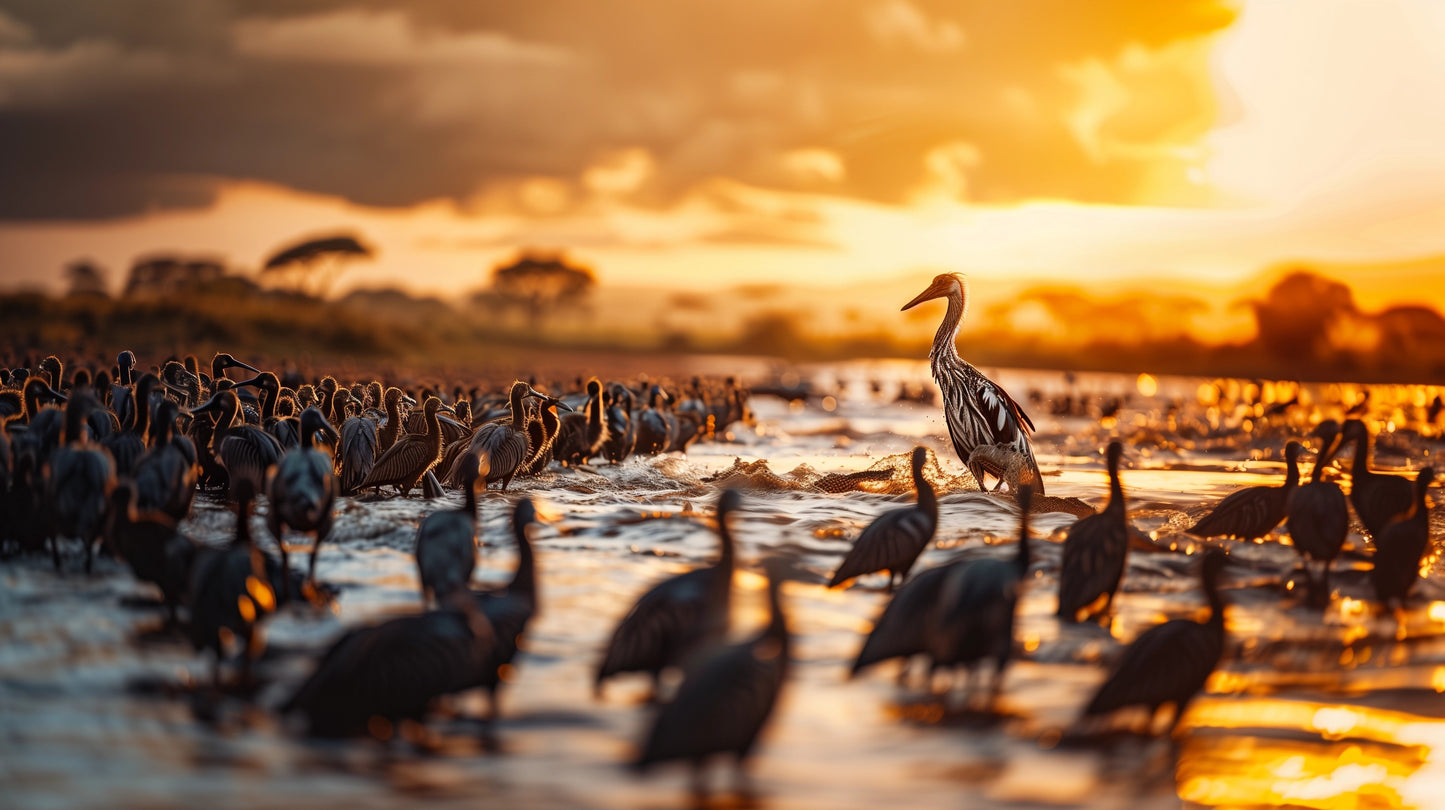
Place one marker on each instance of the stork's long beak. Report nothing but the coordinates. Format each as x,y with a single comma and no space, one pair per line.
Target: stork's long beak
256,380
209,406
234,363
449,409
933,291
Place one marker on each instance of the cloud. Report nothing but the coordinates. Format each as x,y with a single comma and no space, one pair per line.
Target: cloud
363,37
393,104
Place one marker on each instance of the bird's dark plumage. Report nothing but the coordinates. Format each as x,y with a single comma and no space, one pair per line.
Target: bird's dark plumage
1095,551
446,541
1378,498
1252,512
303,491
677,615
405,462
1318,516
1402,544
893,541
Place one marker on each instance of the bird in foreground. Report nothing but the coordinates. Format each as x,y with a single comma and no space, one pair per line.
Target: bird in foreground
231,590
1378,498
303,492
1168,663
676,616
902,630
974,618
511,608
1318,516
893,541
149,542
376,677
724,700
977,409
78,480
1095,551
446,541
1252,512
1400,547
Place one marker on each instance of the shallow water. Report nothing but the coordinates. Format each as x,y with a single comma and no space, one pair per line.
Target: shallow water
1338,709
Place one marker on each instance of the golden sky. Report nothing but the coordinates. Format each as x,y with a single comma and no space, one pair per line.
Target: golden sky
703,145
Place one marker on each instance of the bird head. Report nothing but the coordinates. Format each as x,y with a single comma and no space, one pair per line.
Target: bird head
943,285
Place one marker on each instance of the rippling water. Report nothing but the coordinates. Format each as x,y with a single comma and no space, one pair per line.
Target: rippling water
1339,709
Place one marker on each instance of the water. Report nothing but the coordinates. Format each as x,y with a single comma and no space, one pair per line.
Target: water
1338,709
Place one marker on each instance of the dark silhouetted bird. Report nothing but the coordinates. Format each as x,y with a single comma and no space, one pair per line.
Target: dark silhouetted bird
446,541
1095,551
79,477
1252,512
1401,546
303,493
893,541
1318,515
1378,498
677,615
1168,663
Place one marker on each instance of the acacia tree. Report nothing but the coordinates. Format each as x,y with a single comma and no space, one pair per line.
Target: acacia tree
312,265
539,283
85,278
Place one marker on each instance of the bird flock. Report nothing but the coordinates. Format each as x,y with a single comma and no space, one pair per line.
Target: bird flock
112,460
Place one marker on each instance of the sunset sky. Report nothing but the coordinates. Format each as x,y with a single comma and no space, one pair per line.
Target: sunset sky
702,145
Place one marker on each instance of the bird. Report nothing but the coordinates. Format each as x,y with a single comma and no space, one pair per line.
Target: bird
231,590
165,477
150,543
1401,545
1252,512
902,629
1170,662
724,700
78,481
391,428
244,451
1095,549
977,410
895,539
357,452
411,457
377,676
126,446
1378,498
502,447
621,430
1318,516
974,618
656,425
674,617
541,433
511,608
303,493
446,541
582,435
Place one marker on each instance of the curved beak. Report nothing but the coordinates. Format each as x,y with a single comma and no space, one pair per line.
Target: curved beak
933,291
408,401
209,406
56,395
447,408
330,434
256,381
234,363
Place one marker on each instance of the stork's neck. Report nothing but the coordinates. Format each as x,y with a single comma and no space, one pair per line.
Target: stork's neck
943,341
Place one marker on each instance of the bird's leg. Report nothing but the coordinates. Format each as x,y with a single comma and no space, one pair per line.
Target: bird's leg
55,551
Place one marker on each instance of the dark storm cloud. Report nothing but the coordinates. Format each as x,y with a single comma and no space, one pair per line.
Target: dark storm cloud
118,107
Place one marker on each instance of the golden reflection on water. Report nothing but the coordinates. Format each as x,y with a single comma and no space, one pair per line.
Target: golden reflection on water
1309,754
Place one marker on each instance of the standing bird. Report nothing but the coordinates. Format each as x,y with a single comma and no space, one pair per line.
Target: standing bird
78,480
1170,662
126,446
357,452
390,431
621,430
1095,551
411,457
510,609
150,543
1318,514
977,409
903,629
231,590
303,493
446,541
501,447
541,433
893,541
1378,498
1252,512
246,452
583,434
165,477
975,614
724,701
1400,547
656,425
677,615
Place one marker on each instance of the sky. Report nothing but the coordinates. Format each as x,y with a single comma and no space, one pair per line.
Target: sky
697,145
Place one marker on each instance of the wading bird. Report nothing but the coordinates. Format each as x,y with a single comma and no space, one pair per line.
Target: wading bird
1378,498
245,452
231,590
78,480
1318,514
677,615
446,541
1252,512
893,541
511,608
582,434
303,493
1400,547
974,619
724,701
977,409
411,457
1095,551
1168,663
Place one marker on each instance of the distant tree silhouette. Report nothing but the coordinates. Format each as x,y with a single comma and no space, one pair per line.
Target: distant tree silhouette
312,265
84,277
1299,314
166,275
538,283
